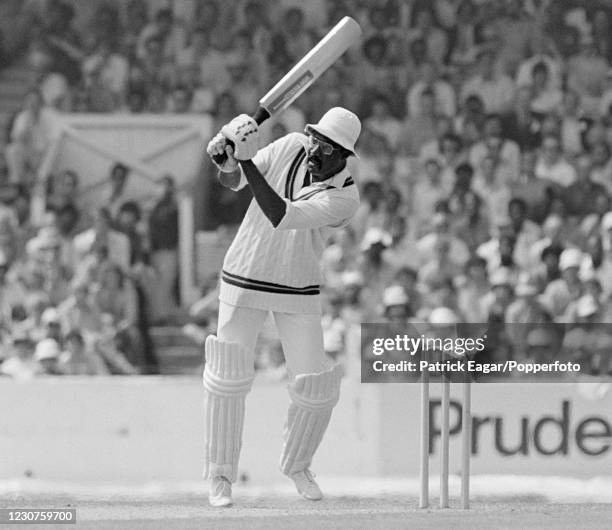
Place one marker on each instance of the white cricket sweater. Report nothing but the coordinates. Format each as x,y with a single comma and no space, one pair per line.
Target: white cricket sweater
278,269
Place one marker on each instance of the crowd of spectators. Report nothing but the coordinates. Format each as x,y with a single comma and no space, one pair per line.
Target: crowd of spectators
485,164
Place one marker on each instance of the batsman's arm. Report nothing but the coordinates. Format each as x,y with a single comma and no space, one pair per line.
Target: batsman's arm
272,205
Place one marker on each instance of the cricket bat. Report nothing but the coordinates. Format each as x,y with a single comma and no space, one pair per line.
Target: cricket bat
306,71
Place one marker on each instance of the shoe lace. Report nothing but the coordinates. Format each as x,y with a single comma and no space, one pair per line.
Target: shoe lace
309,475
220,485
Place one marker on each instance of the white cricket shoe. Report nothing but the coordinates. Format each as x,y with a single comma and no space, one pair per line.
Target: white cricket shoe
220,492
306,485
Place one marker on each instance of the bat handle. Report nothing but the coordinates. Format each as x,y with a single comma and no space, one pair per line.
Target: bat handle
260,116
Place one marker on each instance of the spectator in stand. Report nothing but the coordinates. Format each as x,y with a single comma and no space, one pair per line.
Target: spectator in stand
561,292
293,39
428,190
523,125
580,197
374,72
62,190
381,121
370,213
164,235
106,72
116,297
586,75
464,37
602,165
546,97
505,151
554,232
30,137
165,30
402,251
18,362
604,271
128,221
375,270
439,269
449,152
547,269
114,195
179,101
62,40
525,312
103,237
78,311
495,192
242,52
573,124
472,225
243,84
536,192
396,305
472,111
494,88
499,250
52,84
600,25
155,73
551,165
420,129
211,63
526,232
543,50
423,25
426,245
443,92
473,290
80,358
500,297
11,293
461,186
136,19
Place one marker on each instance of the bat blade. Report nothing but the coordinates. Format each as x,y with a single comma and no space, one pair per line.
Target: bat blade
311,66
327,51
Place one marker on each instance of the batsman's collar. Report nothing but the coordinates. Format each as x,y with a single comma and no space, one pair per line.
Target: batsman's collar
337,181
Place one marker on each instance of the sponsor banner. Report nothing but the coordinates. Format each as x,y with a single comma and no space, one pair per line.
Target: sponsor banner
152,428
522,428
407,352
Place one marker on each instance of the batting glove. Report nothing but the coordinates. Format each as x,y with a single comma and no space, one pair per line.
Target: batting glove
217,146
244,132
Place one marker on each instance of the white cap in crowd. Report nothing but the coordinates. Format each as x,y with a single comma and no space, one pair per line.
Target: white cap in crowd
443,315
570,257
352,278
394,295
586,306
606,221
47,349
376,236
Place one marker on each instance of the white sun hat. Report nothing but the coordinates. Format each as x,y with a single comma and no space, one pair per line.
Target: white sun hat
394,295
340,125
570,257
47,349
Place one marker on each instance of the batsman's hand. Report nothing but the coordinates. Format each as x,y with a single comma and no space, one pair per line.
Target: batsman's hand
243,132
219,146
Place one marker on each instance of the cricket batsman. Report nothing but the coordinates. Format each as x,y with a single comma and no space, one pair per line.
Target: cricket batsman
302,192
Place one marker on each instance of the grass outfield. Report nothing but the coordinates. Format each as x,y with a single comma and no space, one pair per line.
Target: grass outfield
354,504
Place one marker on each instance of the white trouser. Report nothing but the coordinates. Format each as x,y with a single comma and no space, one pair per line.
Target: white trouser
313,389
301,336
